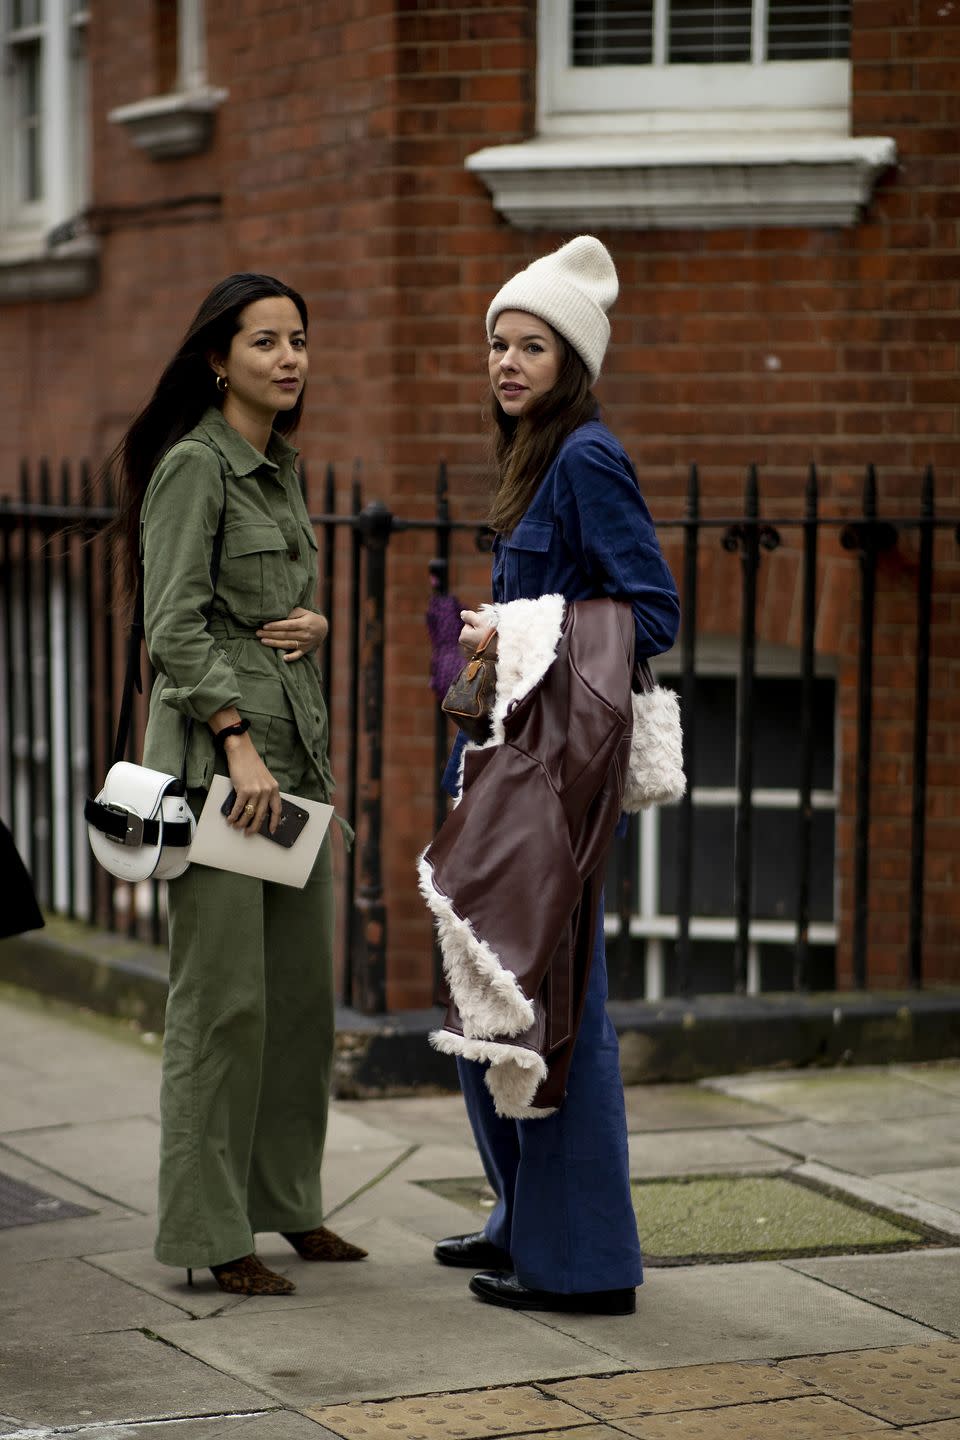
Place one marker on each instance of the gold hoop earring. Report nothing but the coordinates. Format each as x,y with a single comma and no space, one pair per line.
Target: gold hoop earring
223,384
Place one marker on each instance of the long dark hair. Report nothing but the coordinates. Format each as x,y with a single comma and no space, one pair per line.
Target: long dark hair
185,390
525,445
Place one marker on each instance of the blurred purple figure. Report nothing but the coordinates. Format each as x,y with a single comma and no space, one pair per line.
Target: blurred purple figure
444,625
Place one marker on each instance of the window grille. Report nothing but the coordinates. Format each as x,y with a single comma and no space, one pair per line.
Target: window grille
707,32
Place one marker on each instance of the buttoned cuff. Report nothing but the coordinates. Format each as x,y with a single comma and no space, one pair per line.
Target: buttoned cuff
216,691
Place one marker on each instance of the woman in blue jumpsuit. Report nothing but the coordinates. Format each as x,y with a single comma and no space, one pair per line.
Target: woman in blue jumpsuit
570,519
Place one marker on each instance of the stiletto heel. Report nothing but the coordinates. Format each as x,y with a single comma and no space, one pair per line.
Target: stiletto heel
189,1277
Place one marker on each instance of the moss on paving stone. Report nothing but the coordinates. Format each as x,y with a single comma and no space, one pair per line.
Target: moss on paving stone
756,1216
734,1217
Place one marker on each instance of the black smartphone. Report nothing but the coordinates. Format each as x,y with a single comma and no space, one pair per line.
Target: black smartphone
292,820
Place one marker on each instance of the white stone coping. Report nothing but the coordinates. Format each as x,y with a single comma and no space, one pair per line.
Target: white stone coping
683,181
30,270
166,126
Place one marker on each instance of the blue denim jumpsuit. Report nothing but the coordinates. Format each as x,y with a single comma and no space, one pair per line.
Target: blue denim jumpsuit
564,1210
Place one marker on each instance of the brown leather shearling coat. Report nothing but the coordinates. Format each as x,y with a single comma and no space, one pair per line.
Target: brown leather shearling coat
522,856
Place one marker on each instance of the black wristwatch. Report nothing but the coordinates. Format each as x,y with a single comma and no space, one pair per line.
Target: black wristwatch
241,728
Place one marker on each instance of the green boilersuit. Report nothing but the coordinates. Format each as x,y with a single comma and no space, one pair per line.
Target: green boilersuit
248,1040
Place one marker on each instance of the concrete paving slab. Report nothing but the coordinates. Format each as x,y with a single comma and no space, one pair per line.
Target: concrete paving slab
923,1285
333,1353
694,1152
426,1119
399,1261
925,1143
45,1298
83,1380
353,1129
347,1172
115,1158
877,1192
416,1207
691,1107
907,1384
939,1430
63,1083
438,1162
468,1415
685,1387
268,1425
74,1239
941,1186
832,1097
938,1074
165,1282
755,1311
815,1417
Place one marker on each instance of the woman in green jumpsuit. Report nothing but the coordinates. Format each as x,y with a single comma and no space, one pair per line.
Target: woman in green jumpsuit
248,1040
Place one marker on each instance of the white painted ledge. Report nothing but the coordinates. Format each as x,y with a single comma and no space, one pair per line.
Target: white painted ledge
689,182
170,126
35,271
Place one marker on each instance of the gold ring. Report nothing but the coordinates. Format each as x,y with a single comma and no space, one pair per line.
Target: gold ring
249,809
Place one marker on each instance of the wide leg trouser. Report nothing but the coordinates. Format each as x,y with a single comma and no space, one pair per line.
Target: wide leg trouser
247,1058
564,1210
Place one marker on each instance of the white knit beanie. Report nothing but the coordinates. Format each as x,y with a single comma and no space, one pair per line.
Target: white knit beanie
572,290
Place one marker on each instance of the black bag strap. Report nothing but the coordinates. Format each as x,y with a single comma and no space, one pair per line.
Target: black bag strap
133,679
643,682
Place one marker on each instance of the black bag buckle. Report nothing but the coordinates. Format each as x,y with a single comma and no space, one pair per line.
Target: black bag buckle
133,832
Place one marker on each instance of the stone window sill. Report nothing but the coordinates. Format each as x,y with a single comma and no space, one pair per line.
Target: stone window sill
30,271
687,182
170,126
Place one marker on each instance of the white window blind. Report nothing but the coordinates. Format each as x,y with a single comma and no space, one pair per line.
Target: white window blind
705,32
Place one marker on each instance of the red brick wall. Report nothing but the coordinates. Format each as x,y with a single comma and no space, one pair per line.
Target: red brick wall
339,162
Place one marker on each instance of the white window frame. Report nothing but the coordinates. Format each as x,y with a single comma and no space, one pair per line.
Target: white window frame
26,225
641,147
807,95
653,926
43,253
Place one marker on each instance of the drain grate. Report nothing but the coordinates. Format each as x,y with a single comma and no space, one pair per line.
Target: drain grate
21,1204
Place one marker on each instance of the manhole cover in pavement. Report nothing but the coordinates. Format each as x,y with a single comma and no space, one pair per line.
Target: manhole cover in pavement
21,1204
691,1219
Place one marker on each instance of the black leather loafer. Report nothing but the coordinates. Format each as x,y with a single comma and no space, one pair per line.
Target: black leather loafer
473,1252
497,1288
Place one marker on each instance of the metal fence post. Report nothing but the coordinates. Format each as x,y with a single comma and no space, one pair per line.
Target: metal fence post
374,524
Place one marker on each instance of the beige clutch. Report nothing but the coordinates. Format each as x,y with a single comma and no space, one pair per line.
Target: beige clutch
224,848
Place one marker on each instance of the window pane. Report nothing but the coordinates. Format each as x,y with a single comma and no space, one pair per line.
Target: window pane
775,851
713,832
808,30
611,32
709,32
29,132
716,730
27,12
776,967
710,972
775,860
776,734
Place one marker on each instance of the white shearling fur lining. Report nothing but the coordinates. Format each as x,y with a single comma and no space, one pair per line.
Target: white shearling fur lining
528,633
487,994
513,1076
655,772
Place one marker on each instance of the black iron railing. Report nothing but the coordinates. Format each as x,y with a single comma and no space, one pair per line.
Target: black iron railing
62,631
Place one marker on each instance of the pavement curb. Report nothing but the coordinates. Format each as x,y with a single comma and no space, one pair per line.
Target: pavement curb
386,1055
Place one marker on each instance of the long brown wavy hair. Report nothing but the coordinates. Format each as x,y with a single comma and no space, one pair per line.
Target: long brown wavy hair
525,445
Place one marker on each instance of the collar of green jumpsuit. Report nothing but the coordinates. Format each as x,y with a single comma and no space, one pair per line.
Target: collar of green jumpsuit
239,454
